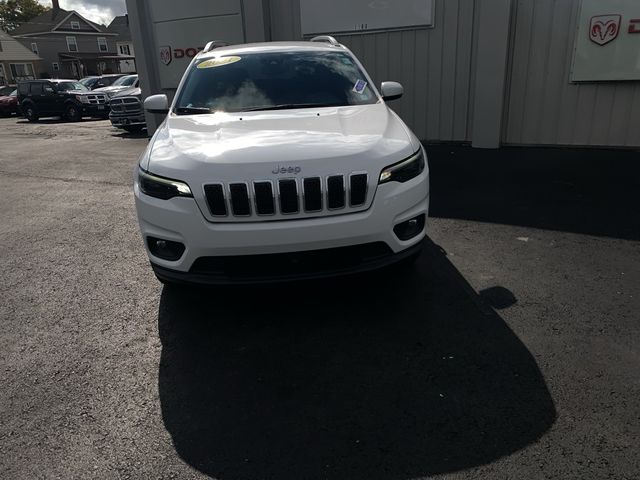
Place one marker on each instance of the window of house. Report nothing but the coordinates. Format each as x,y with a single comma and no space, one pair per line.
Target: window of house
71,44
56,66
75,25
124,50
21,71
34,47
102,44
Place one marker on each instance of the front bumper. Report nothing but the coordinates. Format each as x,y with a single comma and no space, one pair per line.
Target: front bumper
180,220
121,120
91,110
314,264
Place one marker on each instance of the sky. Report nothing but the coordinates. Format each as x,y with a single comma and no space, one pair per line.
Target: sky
98,11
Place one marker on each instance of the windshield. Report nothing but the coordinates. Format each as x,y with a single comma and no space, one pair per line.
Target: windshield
88,80
64,86
125,81
275,80
14,93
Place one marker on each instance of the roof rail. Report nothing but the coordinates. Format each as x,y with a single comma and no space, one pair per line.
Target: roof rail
327,39
214,44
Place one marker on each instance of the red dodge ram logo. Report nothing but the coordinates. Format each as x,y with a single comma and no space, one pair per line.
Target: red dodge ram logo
165,55
604,28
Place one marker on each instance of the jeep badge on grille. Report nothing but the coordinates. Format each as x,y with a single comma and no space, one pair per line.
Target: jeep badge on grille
282,170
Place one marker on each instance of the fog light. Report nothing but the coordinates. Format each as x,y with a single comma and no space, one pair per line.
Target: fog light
409,228
165,249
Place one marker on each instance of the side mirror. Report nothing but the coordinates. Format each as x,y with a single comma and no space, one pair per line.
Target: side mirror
391,90
48,91
157,104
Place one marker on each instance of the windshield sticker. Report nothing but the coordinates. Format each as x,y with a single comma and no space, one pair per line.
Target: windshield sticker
360,86
218,62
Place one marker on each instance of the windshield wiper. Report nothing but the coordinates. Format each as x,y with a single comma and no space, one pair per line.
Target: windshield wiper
285,106
192,110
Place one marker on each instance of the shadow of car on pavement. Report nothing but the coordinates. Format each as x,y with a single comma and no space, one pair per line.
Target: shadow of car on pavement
390,375
56,120
585,191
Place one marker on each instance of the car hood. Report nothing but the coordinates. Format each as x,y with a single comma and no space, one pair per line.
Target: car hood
129,92
320,140
112,89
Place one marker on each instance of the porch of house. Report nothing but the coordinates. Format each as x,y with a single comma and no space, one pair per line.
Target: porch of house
80,65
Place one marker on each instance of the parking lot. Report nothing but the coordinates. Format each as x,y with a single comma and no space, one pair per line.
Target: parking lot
511,351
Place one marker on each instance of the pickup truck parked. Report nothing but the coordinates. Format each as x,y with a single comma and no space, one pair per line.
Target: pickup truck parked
103,81
120,85
126,110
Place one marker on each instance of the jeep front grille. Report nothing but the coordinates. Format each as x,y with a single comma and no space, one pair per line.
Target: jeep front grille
287,196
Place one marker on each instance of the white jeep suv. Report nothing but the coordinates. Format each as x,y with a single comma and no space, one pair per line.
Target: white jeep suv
279,161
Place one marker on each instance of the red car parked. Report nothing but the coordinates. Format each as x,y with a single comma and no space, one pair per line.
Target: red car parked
9,104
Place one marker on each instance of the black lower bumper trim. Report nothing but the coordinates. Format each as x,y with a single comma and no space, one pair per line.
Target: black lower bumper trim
93,110
283,267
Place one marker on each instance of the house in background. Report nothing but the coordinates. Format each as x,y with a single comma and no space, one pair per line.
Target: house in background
16,61
70,45
124,45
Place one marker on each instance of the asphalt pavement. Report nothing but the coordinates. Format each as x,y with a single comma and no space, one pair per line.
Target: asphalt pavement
512,350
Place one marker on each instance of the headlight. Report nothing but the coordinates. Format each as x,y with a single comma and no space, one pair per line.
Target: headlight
405,170
163,188
82,98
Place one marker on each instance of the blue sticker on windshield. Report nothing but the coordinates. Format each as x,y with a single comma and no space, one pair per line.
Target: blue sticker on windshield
360,86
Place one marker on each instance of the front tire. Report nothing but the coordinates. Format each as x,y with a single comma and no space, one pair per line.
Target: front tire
30,113
72,113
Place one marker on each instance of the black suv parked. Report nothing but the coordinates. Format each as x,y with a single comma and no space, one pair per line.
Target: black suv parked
64,98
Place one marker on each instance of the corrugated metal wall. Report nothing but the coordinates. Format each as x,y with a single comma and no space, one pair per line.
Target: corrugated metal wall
542,106
434,65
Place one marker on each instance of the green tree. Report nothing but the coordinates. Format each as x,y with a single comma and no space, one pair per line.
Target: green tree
14,13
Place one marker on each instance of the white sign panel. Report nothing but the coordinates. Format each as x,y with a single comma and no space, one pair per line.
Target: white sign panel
180,40
340,16
607,45
181,34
